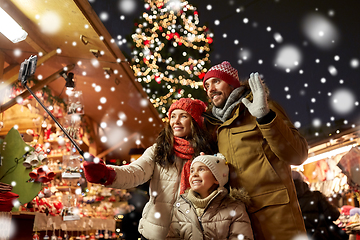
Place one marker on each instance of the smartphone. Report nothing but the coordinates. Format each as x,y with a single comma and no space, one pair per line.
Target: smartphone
27,68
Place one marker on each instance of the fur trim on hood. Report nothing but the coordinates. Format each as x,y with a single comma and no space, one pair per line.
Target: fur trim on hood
240,194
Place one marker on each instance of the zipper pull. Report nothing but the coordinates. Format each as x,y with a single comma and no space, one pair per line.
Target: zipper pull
201,226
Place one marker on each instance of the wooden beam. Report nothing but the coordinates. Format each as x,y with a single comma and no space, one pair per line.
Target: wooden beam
15,71
35,88
2,63
34,45
104,153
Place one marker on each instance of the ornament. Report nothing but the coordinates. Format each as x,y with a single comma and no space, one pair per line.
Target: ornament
201,75
46,237
35,236
66,236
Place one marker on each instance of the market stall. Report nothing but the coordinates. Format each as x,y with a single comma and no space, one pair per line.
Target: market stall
333,169
107,113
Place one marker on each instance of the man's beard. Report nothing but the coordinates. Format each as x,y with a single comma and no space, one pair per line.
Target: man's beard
220,104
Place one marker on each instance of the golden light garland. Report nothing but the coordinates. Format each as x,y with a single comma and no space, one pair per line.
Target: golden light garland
161,19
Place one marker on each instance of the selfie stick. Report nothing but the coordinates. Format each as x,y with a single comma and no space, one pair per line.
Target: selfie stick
27,69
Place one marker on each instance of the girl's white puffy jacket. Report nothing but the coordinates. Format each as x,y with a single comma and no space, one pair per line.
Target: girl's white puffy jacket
164,190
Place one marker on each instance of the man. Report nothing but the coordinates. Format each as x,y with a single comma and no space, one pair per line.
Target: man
258,139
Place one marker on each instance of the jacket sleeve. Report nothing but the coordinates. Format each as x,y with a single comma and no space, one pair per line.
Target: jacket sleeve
240,228
330,212
136,173
283,138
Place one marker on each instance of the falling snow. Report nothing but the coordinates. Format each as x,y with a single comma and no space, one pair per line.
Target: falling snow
342,101
50,22
309,48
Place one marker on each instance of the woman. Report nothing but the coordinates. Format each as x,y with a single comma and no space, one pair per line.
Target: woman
166,163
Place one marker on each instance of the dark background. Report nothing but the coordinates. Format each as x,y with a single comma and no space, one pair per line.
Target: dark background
318,102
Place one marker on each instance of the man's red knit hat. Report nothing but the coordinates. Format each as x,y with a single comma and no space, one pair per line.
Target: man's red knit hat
194,107
225,72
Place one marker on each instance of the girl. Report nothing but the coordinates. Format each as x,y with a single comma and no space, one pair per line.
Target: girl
207,211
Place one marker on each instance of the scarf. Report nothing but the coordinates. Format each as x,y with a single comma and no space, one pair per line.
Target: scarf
233,100
184,150
200,203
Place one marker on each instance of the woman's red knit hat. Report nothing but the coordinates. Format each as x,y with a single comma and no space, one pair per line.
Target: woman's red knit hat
225,72
194,107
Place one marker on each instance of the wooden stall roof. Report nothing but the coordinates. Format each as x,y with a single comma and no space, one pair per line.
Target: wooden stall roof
68,34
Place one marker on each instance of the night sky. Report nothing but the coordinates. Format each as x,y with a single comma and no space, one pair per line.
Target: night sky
307,51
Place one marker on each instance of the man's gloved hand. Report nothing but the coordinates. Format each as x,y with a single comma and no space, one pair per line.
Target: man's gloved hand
96,171
259,107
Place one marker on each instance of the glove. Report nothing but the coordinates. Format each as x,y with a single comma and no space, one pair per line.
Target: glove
259,107
96,171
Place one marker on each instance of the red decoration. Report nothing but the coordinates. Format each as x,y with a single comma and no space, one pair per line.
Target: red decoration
160,28
158,79
210,40
196,13
39,95
169,36
160,5
146,42
201,75
47,133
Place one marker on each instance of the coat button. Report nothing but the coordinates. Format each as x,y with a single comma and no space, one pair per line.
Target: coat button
187,211
178,204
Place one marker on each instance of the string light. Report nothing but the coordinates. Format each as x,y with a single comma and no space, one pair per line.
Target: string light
168,28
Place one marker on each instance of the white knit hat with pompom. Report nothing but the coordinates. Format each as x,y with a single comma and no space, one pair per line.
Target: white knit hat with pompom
217,165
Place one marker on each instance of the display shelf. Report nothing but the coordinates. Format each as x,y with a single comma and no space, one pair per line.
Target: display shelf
23,213
56,140
69,175
56,155
66,188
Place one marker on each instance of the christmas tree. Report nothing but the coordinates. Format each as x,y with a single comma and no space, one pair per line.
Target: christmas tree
170,52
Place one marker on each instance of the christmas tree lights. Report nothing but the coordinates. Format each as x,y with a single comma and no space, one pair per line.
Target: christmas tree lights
170,52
